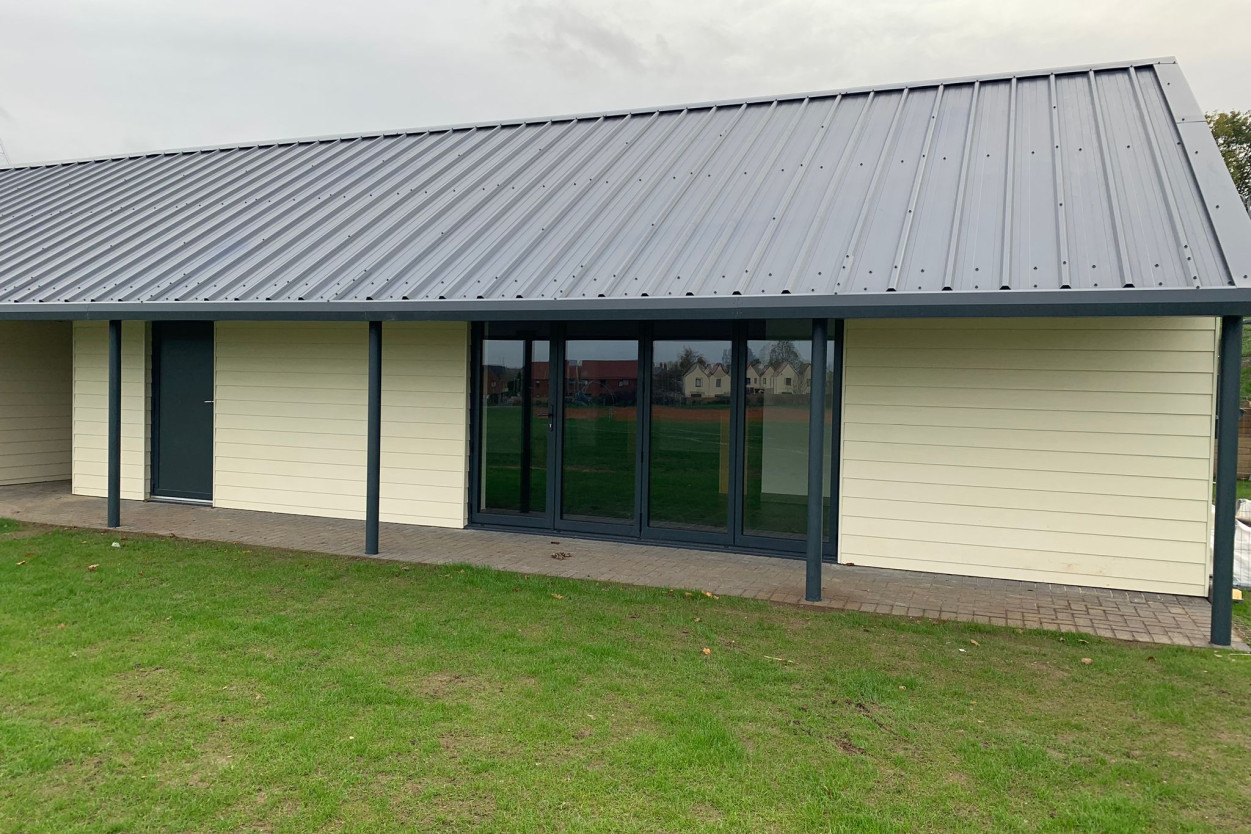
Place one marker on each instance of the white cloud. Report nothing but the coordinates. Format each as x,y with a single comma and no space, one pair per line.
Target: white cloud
93,78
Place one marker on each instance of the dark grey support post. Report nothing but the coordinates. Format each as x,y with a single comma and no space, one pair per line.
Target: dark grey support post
115,424
373,444
1227,409
816,461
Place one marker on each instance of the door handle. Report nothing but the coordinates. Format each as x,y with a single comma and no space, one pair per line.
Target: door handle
209,402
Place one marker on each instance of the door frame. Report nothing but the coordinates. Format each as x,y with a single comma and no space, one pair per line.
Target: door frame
154,429
640,528
537,521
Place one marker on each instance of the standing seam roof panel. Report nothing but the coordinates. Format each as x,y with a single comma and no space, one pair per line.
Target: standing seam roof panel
1087,178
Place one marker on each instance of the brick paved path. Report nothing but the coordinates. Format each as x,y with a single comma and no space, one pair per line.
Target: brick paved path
1157,618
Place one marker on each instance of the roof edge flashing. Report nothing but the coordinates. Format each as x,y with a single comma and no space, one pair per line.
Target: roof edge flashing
1181,301
666,108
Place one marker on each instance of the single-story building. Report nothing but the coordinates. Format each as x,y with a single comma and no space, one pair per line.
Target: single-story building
1016,299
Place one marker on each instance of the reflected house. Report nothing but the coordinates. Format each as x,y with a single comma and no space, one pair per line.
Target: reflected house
608,381
779,378
706,381
540,379
498,382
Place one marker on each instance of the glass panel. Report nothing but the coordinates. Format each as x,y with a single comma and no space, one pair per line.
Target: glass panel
690,434
601,429
514,425
778,380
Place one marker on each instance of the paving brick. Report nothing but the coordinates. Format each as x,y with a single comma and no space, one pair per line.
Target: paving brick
1158,618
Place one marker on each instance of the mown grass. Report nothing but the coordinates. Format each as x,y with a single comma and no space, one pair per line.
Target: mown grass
195,687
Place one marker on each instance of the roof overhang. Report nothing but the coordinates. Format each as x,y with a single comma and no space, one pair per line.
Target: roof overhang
1209,301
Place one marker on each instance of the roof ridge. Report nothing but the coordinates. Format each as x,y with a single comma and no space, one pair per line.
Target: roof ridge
517,122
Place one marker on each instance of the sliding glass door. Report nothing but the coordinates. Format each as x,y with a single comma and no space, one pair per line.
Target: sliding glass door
692,431
778,381
600,431
514,416
689,470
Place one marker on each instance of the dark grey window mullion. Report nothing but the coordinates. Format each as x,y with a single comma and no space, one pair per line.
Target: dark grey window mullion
643,402
527,416
475,417
556,423
738,428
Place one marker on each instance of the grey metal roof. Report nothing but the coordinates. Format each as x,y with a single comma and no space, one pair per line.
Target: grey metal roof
1032,189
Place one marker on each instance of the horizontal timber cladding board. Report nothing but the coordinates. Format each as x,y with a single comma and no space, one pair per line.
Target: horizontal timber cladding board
290,419
1036,380
425,423
1185,425
1060,450
1058,399
91,408
36,401
1153,361
1001,339
1165,445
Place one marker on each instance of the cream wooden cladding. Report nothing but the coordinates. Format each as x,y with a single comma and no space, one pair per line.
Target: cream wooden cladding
36,390
290,419
91,409
1075,451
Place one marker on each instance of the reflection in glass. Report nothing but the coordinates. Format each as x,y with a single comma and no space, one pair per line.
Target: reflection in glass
601,429
515,383
779,383
690,434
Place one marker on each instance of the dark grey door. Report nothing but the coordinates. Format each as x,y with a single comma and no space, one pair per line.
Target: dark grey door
182,409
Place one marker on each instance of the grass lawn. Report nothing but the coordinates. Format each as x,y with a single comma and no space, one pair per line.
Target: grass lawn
196,687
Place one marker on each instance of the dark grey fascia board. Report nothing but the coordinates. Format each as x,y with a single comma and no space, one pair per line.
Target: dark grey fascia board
1221,201
1207,301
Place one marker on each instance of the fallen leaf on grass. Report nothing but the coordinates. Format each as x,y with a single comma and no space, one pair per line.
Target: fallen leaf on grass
557,596
975,643
92,567
19,564
707,651
60,625
1087,661
778,659
688,593
711,595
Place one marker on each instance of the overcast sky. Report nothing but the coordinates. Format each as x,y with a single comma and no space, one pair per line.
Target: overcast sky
99,77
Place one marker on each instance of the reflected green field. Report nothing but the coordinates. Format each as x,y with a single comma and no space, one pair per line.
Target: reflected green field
688,468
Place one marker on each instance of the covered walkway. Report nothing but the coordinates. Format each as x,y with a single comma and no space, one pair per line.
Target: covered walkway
1155,618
